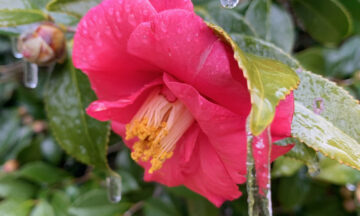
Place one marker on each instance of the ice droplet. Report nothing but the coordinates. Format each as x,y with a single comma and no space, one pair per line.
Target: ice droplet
30,75
14,48
114,187
229,3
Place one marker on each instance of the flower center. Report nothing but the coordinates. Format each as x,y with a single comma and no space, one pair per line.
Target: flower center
159,124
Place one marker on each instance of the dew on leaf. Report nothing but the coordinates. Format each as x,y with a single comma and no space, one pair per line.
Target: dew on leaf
229,3
30,75
114,187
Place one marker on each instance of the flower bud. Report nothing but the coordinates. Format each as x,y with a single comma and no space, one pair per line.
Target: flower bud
10,166
43,46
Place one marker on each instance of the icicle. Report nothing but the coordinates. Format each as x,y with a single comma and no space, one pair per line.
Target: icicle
229,3
30,74
259,183
14,48
114,187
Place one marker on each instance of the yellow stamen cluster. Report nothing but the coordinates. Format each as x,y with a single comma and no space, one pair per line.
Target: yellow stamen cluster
148,145
158,125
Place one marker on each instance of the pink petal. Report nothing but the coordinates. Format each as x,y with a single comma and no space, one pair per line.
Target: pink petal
211,179
281,126
180,43
124,109
161,5
225,130
100,48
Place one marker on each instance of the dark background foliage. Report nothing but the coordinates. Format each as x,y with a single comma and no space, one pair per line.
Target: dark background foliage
39,178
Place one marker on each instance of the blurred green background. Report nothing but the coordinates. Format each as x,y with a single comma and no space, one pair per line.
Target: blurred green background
38,178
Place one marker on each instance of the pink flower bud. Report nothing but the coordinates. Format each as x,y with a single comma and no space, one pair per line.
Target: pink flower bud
45,45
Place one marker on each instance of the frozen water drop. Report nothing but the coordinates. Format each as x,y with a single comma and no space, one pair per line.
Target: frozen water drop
30,75
114,187
229,3
14,48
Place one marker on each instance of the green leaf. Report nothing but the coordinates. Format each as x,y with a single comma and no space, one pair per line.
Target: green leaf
11,187
60,203
313,59
68,95
20,17
16,208
292,191
335,131
269,81
95,203
327,21
258,15
42,173
353,7
43,208
332,171
304,154
129,182
285,166
73,7
13,136
201,207
344,62
229,20
158,207
282,32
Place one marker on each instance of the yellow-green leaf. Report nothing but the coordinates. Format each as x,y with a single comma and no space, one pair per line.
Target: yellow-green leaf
326,117
269,81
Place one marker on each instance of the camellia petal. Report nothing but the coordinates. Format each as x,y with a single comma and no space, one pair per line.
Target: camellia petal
100,48
161,5
148,60
181,44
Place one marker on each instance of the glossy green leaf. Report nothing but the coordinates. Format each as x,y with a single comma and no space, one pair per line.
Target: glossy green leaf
11,187
16,208
335,131
43,208
258,15
68,95
327,21
20,17
336,173
269,81
42,173
313,59
73,7
285,166
282,31
353,7
95,203
229,20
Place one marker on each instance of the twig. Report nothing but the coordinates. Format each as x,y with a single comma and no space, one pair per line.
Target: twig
134,208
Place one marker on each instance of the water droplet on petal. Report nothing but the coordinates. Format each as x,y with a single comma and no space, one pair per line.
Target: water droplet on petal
229,3
114,187
131,19
14,49
30,75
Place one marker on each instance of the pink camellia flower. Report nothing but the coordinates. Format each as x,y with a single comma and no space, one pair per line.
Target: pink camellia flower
163,79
